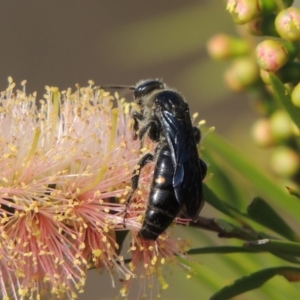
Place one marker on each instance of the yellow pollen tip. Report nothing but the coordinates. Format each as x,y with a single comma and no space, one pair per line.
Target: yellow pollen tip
195,115
161,279
97,253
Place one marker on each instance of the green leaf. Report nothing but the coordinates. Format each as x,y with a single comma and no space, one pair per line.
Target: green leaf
246,168
226,226
222,205
248,248
216,202
219,249
285,99
255,280
282,247
263,213
222,184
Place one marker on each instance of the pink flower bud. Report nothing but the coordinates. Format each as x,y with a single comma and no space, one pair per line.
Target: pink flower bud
222,47
261,133
272,55
285,162
244,11
242,73
287,24
281,126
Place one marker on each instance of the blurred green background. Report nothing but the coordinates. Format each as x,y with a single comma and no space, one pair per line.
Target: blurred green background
61,43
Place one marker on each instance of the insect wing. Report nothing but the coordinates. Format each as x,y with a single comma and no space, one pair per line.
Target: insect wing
187,176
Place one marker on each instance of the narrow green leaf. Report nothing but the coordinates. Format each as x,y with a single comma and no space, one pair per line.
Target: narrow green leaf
247,168
219,249
284,97
222,184
226,226
255,280
238,249
283,247
214,201
222,205
263,213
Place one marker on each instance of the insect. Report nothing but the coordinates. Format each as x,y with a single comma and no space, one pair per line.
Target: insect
178,174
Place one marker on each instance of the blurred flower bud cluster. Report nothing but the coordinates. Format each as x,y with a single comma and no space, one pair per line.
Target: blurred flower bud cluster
267,46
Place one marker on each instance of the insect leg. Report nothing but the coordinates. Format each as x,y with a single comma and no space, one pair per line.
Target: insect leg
148,157
136,118
153,129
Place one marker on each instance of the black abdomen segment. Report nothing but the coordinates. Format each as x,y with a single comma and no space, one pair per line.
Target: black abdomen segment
163,206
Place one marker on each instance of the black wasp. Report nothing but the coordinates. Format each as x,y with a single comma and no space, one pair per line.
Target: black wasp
177,181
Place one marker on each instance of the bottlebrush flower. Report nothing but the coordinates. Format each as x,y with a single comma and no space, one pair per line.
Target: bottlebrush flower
65,171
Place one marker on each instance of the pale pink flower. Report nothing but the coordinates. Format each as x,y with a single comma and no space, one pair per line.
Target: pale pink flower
65,172
60,166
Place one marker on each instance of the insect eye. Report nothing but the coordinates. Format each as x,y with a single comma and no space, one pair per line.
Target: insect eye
147,87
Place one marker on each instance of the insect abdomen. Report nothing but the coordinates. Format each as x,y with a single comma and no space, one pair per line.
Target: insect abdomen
162,205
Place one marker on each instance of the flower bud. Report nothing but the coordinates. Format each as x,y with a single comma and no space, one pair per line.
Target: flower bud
222,47
295,95
281,126
261,133
271,55
265,76
285,162
287,24
244,11
242,73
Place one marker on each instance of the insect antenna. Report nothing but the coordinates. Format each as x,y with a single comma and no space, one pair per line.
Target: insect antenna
117,87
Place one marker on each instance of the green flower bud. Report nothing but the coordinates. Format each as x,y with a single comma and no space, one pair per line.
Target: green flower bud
244,11
295,95
222,47
242,73
285,162
281,126
261,133
265,76
271,55
287,24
